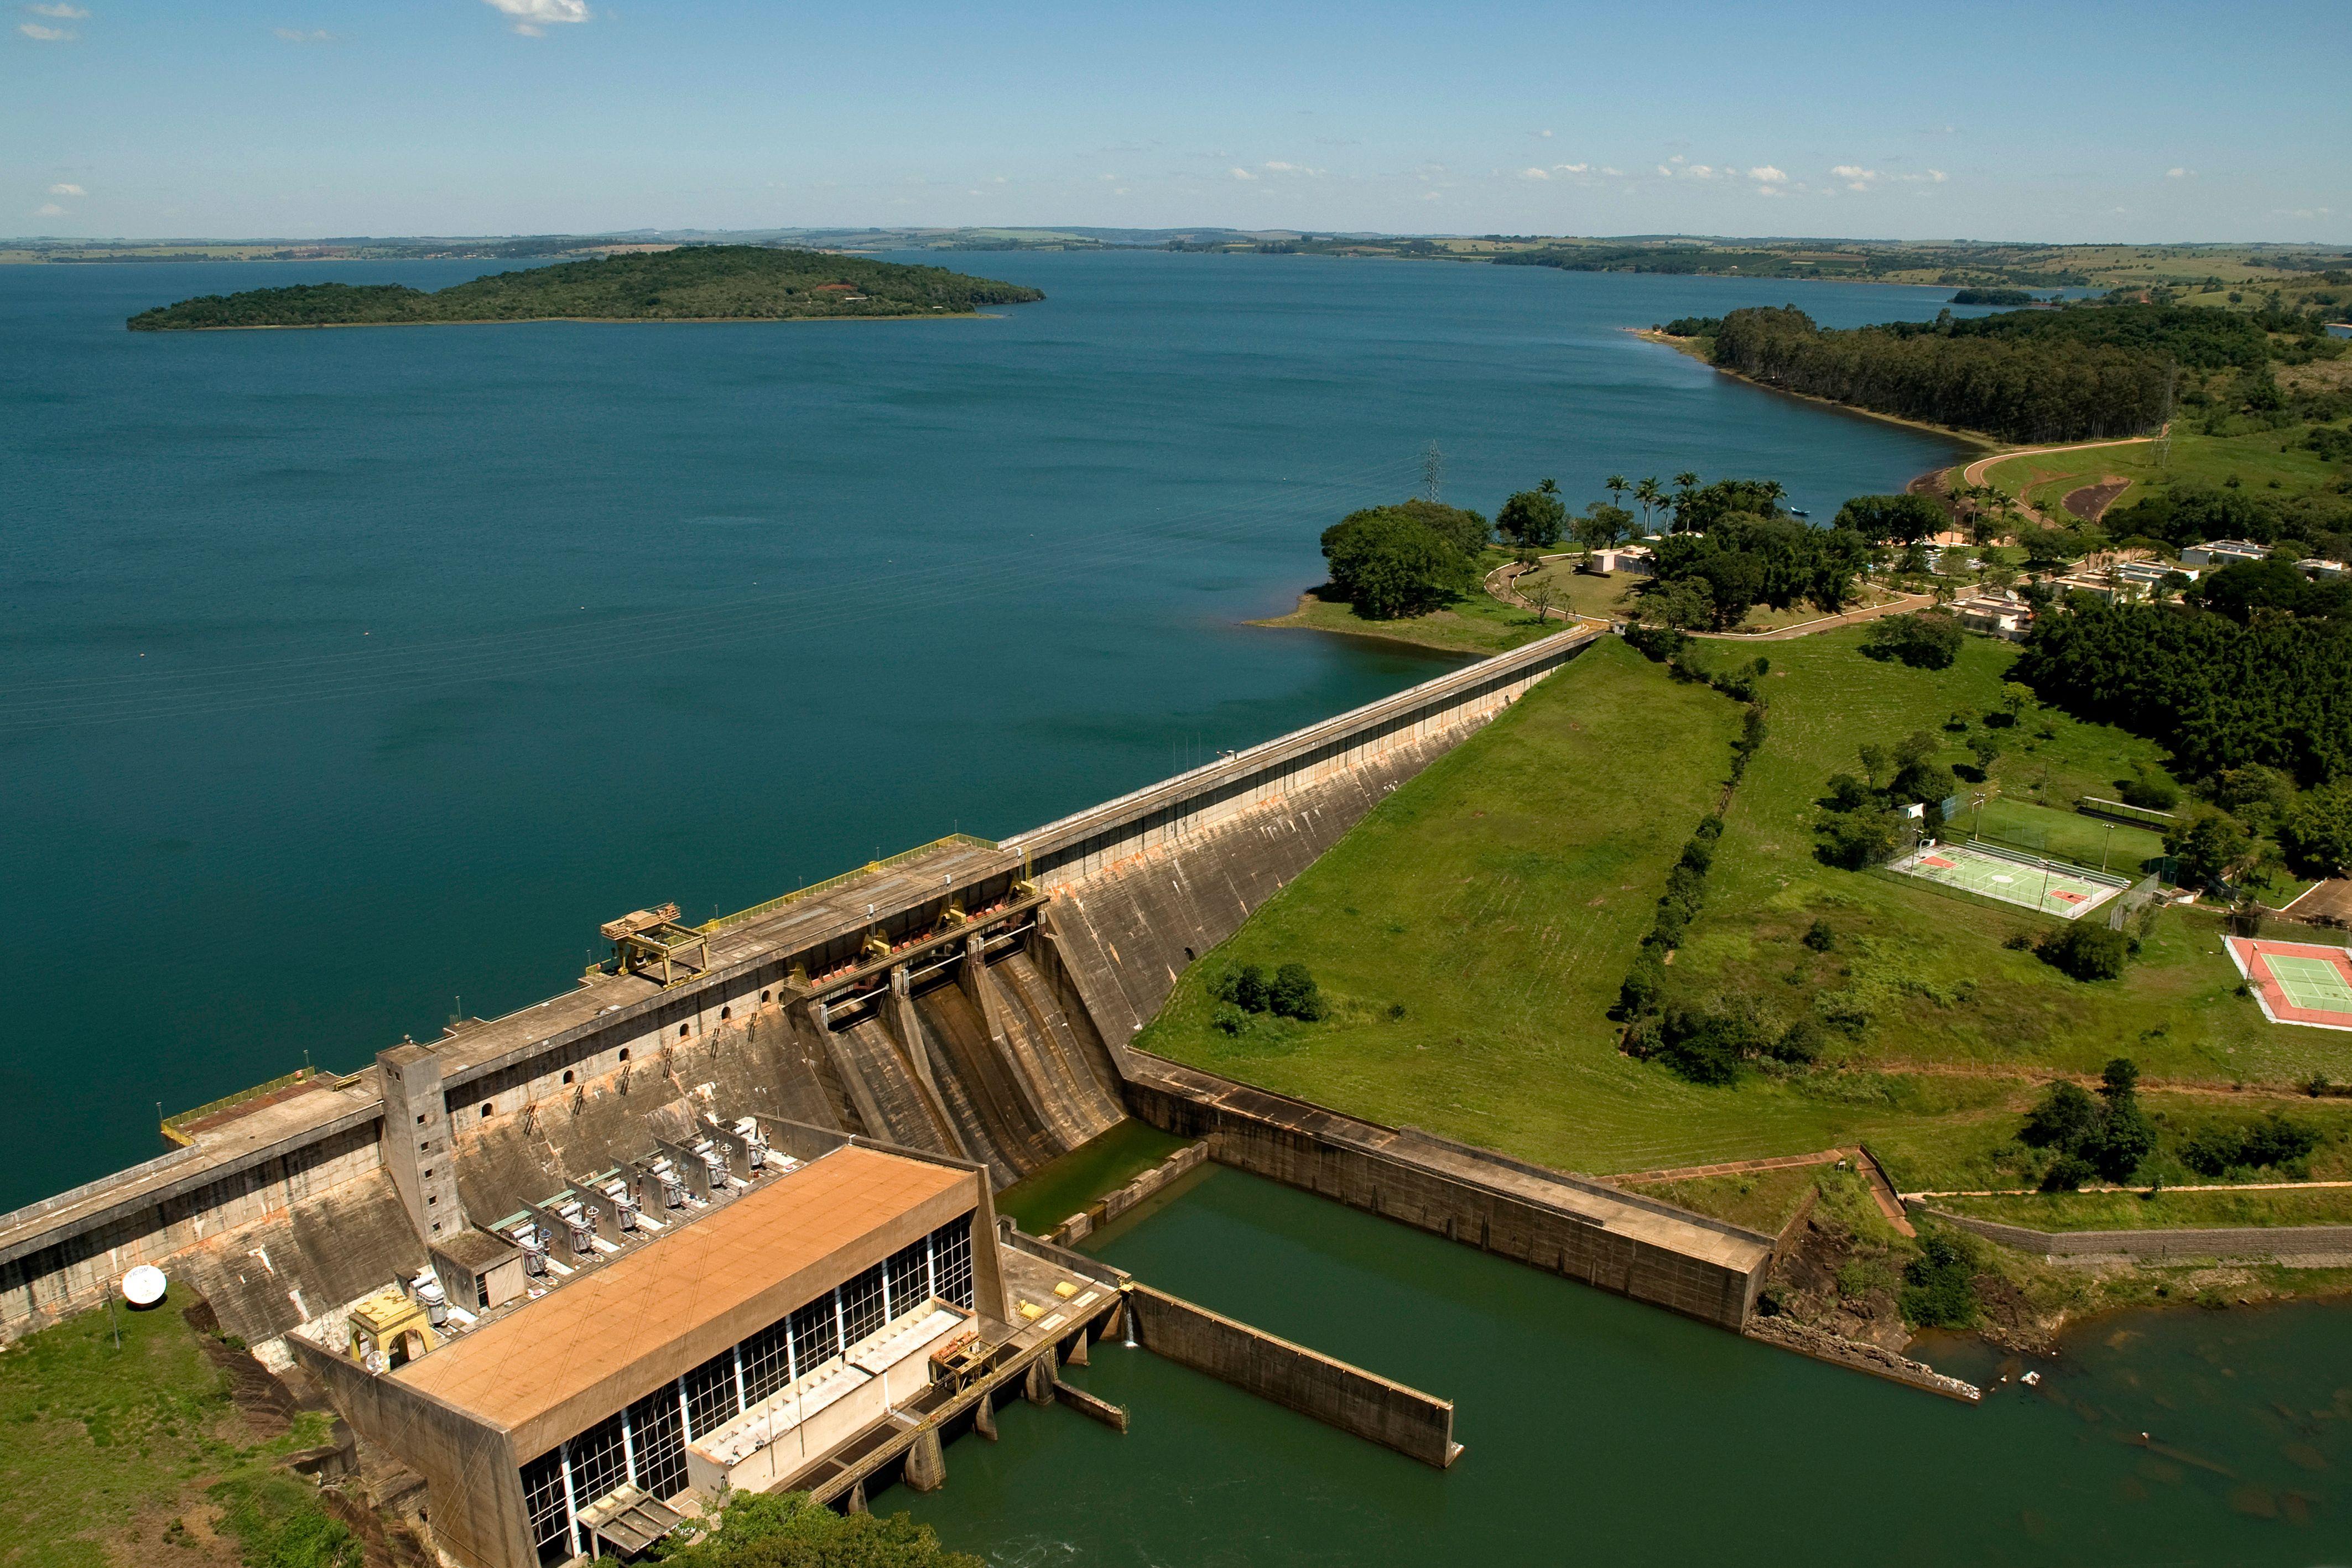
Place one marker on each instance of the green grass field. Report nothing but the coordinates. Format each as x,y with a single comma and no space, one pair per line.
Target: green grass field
1497,898
110,1457
2255,461
2137,1211
2093,842
2047,888
1477,623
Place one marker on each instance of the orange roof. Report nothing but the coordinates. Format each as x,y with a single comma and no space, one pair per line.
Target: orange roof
639,1307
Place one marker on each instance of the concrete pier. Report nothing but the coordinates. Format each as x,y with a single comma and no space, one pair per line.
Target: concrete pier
1363,1403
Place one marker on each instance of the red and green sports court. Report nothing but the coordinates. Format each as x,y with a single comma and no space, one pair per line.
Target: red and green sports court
2297,982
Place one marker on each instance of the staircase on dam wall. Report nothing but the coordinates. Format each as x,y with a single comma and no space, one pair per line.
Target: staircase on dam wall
971,1000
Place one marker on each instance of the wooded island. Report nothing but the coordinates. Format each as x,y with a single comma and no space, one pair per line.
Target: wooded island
695,283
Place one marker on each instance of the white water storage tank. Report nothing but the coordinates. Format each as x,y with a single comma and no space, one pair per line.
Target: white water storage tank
144,1286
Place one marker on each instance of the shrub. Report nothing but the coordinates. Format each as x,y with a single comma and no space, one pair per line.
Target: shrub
785,1529
2086,952
2067,1175
1228,1019
1936,1286
1244,988
1819,936
1855,839
2276,1141
1930,640
1295,995
2064,1117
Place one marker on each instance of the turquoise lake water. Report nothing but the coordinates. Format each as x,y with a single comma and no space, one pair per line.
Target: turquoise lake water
1597,1431
351,673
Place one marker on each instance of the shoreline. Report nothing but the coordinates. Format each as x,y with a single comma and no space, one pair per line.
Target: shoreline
1985,445
593,320
1292,622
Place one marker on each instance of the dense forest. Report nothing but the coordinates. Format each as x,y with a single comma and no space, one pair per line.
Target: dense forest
693,283
1688,260
2273,690
2018,385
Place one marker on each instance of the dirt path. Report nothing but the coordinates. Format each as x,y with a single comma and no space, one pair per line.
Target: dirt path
1974,474
1901,604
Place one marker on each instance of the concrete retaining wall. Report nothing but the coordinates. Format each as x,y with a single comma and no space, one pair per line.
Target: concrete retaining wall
1621,1242
2280,1243
1111,1205
1355,1401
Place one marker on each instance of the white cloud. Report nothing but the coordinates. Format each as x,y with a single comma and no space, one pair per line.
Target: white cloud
1533,174
49,210
2301,211
533,17
1278,167
1433,195
1241,173
1768,175
297,36
59,13
1771,190
39,34
1545,134
1854,172
67,191
2178,174
1572,168
1616,172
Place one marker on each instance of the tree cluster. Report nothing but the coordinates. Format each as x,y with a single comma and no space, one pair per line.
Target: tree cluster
2019,386
1924,639
1747,558
785,1529
2318,522
741,282
2085,950
2276,691
1289,992
2276,1142
1861,818
2109,1136
1405,559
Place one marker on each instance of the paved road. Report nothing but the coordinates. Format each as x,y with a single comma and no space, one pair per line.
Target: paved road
1974,474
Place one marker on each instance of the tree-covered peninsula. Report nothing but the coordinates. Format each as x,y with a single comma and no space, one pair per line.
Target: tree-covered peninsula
698,282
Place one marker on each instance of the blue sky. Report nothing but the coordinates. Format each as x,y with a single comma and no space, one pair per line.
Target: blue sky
303,118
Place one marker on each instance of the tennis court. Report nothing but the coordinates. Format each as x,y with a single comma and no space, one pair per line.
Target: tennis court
2297,982
2029,882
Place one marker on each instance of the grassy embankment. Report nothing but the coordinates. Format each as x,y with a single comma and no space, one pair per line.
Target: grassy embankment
2266,463
1477,623
138,1456
1496,899
2161,1210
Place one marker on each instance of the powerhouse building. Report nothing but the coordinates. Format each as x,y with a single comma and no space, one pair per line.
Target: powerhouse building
737,1346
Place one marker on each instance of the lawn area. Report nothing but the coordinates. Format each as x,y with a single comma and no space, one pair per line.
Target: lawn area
2139,1211
2041,830
1918,978
1473,931
1607,597
2254,460
1477,623
108,1457
1760,1200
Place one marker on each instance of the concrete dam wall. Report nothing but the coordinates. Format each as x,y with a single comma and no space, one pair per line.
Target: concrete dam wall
969,998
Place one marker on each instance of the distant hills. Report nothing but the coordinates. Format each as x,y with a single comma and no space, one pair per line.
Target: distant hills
693,283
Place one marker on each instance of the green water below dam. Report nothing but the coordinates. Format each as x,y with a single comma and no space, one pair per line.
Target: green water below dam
1600,1430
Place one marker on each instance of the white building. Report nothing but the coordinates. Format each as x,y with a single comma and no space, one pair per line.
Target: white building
1635,560
2317,568
2224,552
2002,617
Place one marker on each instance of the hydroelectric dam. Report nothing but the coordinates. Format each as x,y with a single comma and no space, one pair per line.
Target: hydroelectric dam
969,1001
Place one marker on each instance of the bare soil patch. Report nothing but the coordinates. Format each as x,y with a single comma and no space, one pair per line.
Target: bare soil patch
2091,502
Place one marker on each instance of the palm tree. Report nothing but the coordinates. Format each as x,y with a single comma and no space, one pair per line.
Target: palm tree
1616,486
1648,493
1685,483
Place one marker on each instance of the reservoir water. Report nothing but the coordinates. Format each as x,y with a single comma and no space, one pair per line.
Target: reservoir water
349,679
1599,1431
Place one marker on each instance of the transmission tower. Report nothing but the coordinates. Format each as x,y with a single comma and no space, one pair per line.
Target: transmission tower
2161,448
1432,472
